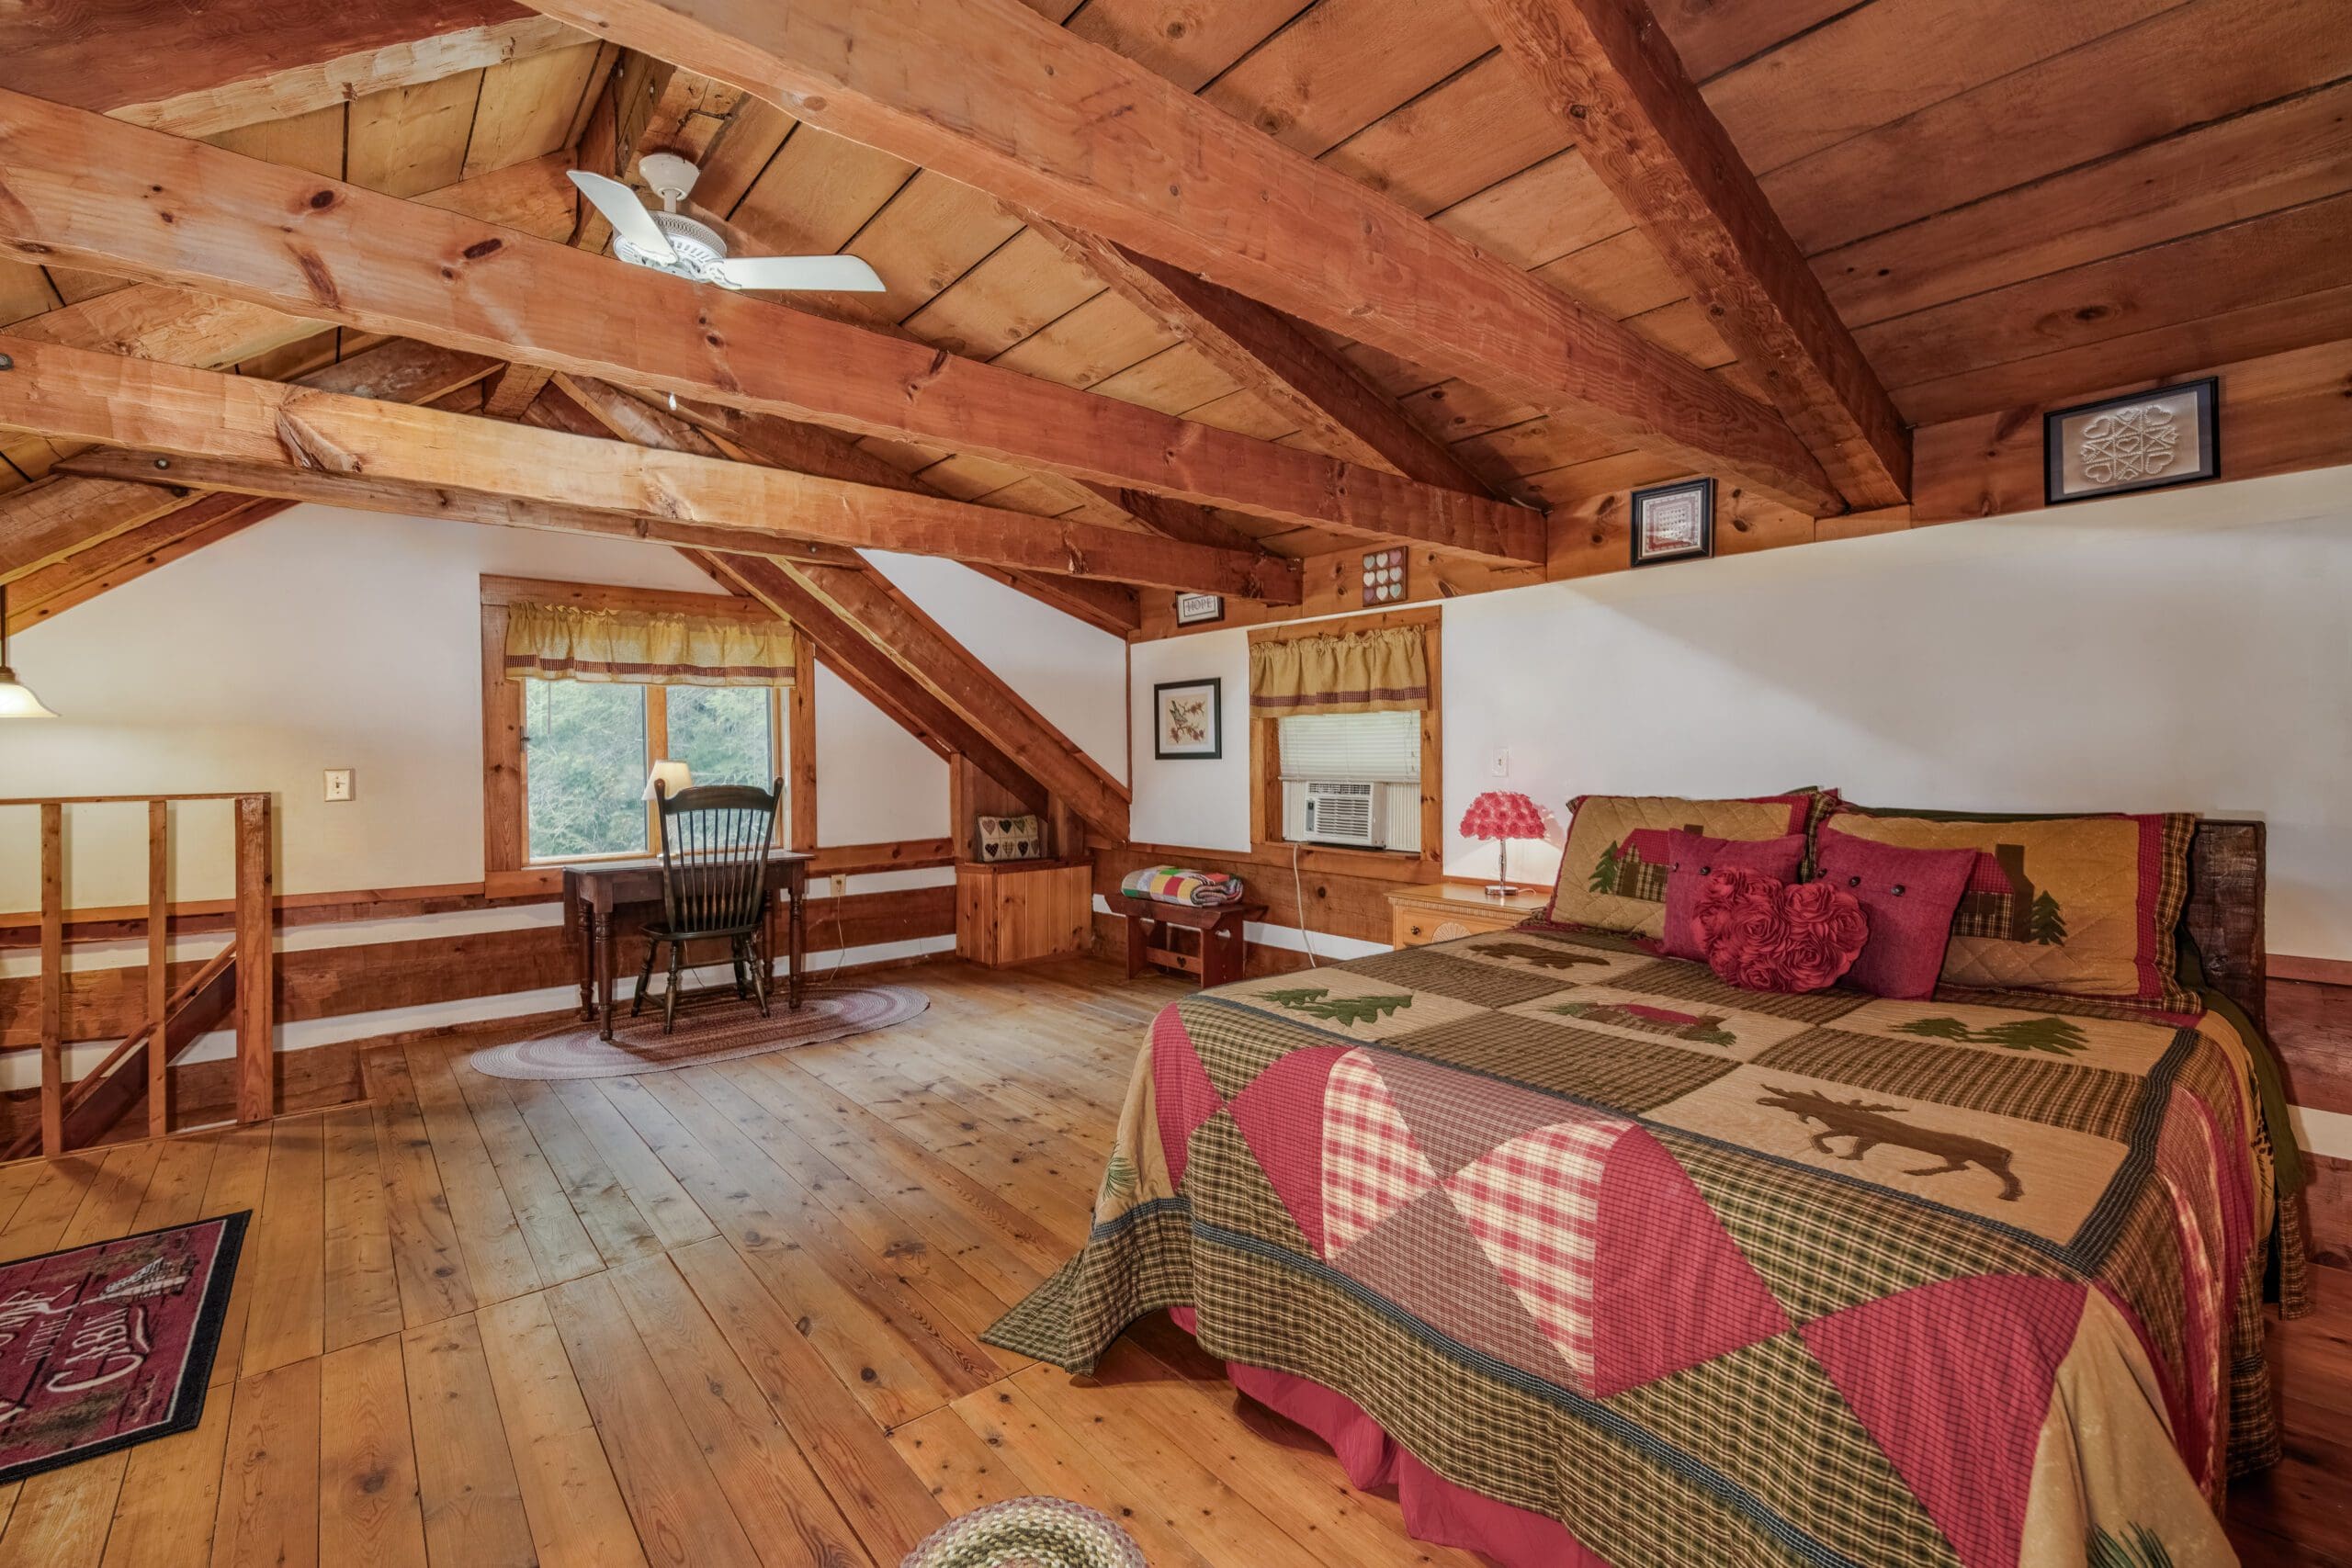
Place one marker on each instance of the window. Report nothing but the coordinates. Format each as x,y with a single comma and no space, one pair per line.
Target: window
565,761
586,779
1352,773
1354,790
587,750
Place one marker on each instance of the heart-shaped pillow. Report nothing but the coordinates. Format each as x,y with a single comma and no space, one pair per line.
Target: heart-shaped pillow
1763,935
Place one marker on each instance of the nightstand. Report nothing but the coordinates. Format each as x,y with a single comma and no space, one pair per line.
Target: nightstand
1440,911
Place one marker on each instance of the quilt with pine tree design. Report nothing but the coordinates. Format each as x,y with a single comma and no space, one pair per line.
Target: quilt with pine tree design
1709,1275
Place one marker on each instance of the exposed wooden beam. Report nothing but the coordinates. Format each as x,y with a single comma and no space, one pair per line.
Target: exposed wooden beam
182,326
993,93
295,432
194,72
865,601
125,557
85,190
812,449
68,512
1268,353
877,674
1613,79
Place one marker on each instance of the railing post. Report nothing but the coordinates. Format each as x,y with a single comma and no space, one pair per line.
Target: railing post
255,1091
159,971
52,979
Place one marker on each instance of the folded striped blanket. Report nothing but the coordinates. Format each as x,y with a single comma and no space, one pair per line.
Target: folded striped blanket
1173,884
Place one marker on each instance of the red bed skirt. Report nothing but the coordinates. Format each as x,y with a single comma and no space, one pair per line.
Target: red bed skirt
1435,1509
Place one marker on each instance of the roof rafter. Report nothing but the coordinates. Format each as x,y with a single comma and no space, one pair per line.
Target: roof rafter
1611,78
85,190
156,65
992,94
283,437
812,449
1273,357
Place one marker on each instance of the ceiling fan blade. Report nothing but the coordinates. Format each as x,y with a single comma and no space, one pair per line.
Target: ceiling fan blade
625,213
831,274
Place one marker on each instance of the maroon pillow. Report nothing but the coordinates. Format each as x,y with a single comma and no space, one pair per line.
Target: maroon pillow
1768,935
1691,860
1908,895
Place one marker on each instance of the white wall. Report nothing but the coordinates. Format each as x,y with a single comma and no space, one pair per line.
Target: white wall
1065,669
327,639
1200,802
2188,650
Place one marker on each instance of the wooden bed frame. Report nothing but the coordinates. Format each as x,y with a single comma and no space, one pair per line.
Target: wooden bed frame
2223,914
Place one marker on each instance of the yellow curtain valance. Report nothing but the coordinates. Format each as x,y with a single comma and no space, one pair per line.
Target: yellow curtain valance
562,642
1376,671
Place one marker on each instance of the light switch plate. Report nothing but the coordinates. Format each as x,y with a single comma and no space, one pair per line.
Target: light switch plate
338,783
1498,764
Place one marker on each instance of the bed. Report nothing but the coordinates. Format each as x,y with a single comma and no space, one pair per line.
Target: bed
1600,1261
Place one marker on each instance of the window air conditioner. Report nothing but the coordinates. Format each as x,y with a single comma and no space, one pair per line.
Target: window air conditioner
1325,811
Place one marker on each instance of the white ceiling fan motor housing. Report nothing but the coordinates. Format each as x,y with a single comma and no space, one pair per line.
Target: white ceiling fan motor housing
698,245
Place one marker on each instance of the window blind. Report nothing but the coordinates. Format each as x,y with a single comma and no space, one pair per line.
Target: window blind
1359,745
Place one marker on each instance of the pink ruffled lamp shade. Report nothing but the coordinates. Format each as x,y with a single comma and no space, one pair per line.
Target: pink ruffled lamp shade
1502,815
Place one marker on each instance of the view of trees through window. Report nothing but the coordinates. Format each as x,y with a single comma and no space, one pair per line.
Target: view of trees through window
721,733
585,769
589,747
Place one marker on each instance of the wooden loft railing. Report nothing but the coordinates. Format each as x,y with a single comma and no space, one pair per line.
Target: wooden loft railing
237,980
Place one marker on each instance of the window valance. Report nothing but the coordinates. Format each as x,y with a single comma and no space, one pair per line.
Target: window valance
1374,672
562,642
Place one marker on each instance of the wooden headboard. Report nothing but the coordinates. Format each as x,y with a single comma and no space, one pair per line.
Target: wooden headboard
2223,914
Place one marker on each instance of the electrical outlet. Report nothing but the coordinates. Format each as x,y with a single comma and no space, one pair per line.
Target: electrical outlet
841,884
1498,765
338,783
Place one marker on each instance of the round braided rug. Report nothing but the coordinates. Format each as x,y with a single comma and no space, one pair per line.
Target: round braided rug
708,1031
1028,1532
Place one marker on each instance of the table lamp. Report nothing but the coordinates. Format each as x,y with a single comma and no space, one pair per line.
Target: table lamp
668,777
1502,815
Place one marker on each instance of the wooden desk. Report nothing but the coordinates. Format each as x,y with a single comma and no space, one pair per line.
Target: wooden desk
591,891
1224,942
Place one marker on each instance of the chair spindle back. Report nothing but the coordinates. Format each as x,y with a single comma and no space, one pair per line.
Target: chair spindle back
715,845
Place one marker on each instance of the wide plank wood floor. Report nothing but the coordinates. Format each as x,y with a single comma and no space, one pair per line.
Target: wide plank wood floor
731,1315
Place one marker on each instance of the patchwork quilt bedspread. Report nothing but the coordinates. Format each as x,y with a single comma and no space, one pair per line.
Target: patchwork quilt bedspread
1710,1275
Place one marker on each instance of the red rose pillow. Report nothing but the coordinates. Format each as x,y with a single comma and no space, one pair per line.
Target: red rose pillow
1691,859
1763,935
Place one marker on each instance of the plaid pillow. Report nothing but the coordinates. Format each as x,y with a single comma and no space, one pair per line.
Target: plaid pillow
2076,906
1613,866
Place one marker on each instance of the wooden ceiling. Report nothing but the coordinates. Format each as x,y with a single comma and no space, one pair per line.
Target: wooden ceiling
2004,203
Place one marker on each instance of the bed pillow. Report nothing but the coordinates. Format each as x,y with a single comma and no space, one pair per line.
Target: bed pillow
1908,895
1763,935
2079,906
1612,867
1691,860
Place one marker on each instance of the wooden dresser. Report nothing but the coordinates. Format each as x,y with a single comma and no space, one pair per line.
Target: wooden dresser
1440,911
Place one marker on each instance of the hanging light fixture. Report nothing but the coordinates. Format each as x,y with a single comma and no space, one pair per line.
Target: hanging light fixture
16,700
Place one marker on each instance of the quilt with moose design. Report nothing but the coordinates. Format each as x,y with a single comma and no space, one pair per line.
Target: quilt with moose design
1708,1275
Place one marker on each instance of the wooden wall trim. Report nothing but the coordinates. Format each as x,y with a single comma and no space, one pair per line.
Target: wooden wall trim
336,982
190,917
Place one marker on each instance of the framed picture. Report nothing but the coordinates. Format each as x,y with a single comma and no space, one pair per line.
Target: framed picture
1199,609
1674,522
1188,720
2145,441
1384,577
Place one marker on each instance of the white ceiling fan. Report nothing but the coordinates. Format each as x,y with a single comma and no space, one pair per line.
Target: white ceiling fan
670,242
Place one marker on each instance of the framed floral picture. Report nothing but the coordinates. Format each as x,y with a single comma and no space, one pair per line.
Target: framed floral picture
1188,720
1674,522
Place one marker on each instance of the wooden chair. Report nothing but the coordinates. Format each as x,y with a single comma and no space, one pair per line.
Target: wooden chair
715,845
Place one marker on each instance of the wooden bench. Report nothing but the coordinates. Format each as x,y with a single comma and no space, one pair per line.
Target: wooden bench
1223,946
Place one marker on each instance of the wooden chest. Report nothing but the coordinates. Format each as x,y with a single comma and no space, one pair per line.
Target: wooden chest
1017,912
